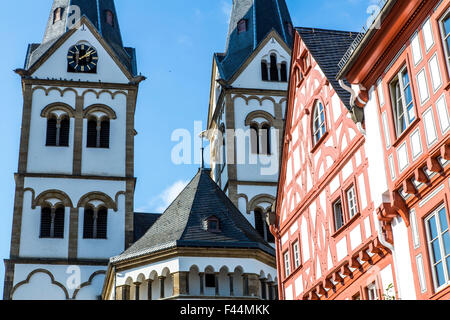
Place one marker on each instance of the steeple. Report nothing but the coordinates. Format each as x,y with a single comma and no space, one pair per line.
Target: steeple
101,13
258,18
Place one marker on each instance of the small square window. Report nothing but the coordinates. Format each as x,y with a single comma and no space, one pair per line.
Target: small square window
242,26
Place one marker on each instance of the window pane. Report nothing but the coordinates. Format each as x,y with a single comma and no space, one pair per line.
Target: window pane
446,240
440,274
432,228
448,44
339,219
436,251
443,219
447,25
59,223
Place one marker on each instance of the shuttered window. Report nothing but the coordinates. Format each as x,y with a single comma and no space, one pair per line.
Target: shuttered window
102,223
92,134
104,134
64,133
51,132
88,226
46,222
58,223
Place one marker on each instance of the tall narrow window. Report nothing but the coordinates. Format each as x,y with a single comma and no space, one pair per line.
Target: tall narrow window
273,68
287,265
319,127
92,133
254,138
51,132
88,225
264,71
351,202
270,237
109,17
283,72
104,133
445,25
64,131
57,14
439,246
338,215
296,251
265,139
98,133
259,222
52,222
402,101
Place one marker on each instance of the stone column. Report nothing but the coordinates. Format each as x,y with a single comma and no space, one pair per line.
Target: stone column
180,283
253,285
161,287
149,289
137,293
216,276
202,283
230,275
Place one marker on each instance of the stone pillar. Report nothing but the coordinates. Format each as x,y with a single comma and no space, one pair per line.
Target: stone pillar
202,283
216,276
230,275
245,283
137,291
180,283
161,287
253,285
263,283
149,289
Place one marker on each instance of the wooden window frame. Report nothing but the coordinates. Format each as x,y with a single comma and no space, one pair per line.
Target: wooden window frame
323,125
444,38
296,260
342,196
287,264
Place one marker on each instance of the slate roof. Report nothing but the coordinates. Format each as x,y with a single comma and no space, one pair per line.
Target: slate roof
262,17
328,47
143,222
95,12
182,224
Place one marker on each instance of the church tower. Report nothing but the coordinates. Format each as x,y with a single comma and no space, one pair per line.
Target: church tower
73,206
247,106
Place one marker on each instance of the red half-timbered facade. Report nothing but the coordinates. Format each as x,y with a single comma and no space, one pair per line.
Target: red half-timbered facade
328,241
405,66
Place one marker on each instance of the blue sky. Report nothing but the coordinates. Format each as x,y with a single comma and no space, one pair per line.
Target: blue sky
175,41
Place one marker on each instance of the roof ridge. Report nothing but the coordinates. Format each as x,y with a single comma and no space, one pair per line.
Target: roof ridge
325,30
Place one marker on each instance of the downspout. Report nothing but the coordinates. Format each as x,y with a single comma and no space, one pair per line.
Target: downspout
385,243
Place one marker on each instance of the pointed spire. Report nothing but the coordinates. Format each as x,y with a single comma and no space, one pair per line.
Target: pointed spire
250,22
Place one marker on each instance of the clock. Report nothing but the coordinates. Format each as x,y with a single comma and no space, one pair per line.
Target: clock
82,58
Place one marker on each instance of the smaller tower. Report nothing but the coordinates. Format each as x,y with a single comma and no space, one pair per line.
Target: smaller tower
247,106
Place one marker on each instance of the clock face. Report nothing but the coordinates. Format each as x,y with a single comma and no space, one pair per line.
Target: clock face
82,58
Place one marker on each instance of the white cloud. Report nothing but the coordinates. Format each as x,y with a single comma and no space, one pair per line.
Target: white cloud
159,203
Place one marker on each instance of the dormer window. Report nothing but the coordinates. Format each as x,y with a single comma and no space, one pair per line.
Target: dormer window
212,224
242,26
57,14
109,17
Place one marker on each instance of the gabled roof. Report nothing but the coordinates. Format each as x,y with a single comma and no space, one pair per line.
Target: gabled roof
328,47
262,17
182,224
95,12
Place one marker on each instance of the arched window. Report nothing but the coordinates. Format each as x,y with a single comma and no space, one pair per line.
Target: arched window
254,138
273,68
319,127
52,222
109,17
264,71
57,14
95,223
58,131
265,139
98,133
283,72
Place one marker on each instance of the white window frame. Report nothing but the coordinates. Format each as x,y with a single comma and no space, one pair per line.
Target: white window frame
352,202
287,265
296,251
444,38
397,85
372,292
319,110
435,214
